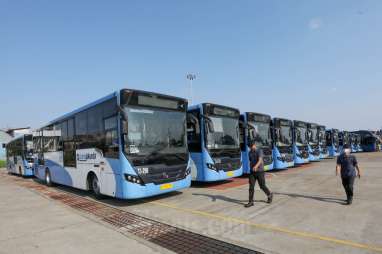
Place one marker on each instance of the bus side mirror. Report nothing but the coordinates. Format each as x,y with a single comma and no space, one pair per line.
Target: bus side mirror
122,113
3,145
125,127
210,126
276,132
192,123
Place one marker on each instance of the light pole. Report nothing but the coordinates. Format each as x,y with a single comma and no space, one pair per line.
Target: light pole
191,77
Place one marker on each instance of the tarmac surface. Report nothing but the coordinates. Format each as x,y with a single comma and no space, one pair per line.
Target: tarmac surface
308,215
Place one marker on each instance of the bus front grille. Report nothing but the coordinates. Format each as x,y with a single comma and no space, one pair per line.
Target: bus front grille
228,164
164,174
267,160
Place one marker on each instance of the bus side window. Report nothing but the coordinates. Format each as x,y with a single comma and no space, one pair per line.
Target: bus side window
242,131
69,145
328,139
193,131
95,134
111,137
81,130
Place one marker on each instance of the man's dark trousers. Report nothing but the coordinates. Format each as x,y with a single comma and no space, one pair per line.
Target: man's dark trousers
348,183
260,178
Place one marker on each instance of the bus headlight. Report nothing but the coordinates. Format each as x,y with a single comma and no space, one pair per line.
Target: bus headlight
133,179
211,166
188,171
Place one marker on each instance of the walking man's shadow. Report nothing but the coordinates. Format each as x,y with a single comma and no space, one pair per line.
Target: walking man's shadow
220,197
225,198
318,198
292,195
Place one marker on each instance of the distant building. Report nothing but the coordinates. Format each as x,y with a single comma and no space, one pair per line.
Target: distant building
7,134
14,132
4,139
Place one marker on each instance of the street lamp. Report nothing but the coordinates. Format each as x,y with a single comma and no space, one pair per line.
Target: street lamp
191,77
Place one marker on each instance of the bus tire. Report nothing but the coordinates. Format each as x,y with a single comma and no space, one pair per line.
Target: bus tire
94,186
48,178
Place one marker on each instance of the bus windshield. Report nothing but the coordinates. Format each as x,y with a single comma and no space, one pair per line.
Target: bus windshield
28,146
335,138
301,136
155,135
322,138
225,134
313,137
286,135
262,131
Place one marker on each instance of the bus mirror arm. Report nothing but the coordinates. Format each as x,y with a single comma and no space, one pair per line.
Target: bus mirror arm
209,123
122,111
194,121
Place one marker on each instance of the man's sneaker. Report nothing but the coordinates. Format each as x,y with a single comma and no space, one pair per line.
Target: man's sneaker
349,201
270,198
248,205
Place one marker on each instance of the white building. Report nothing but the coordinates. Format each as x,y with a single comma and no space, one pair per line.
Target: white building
7,134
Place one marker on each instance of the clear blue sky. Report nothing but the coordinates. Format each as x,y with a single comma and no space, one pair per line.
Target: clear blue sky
317,61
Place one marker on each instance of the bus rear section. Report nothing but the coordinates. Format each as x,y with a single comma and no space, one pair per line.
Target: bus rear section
313,142
256,128
300,142
282,143
332,142
130,144
20,155
324,151
213,142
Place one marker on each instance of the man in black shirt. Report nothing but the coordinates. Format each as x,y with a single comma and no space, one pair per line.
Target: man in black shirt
347,165
257,173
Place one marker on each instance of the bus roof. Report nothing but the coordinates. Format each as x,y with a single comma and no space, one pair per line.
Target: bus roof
283,119
212,104
159,94
18,137
259,114
312,125
299,122
67,115
103,99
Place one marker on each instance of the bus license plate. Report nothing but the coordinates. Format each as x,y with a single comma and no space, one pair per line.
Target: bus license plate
166,186
230,173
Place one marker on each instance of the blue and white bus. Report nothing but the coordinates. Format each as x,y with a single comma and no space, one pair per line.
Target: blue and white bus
213,142
370,142
343,139
282,137
356,142
332,142
19,152
324,151
256,128
129,144
353,142
300,142
313,142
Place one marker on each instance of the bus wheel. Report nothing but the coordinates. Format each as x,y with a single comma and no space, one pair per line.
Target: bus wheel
48,178
95,187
